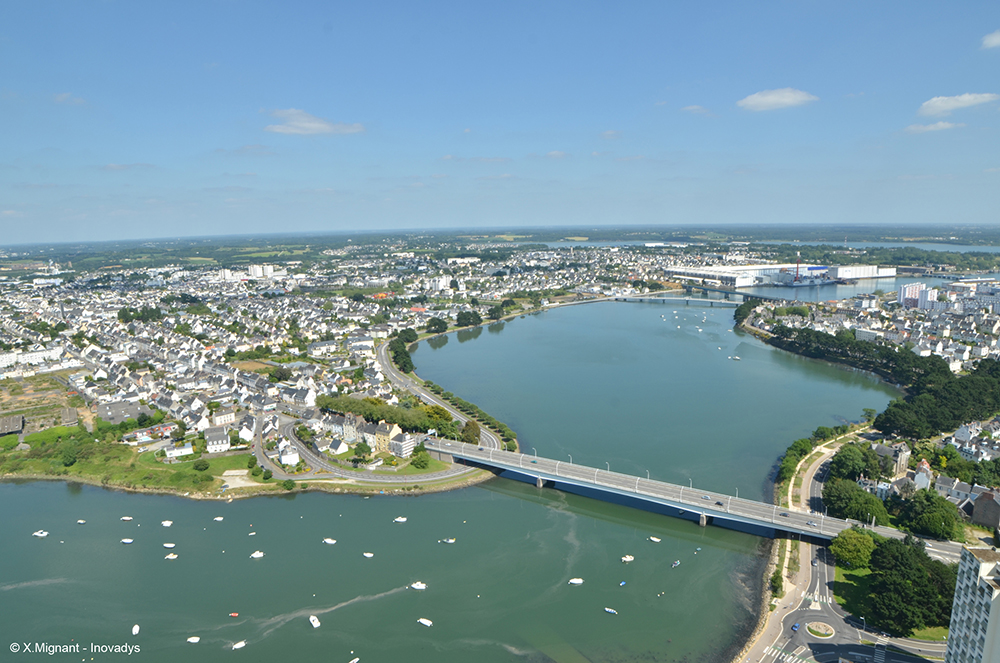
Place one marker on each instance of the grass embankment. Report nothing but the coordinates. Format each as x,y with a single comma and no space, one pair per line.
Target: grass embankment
72,453
851,589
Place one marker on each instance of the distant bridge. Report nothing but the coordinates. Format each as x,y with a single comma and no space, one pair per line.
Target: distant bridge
687,301
702,506
729,292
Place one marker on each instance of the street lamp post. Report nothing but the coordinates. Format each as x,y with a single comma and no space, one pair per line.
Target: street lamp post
536,451
690,482
647,475
570,458
608,464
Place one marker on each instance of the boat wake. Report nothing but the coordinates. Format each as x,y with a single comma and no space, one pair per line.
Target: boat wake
33,583
272,624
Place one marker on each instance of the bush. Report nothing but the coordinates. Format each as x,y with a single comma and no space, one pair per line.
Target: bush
251,462
267,475
200,465
288,484
257,471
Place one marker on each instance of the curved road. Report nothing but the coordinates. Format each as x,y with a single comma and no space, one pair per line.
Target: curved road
486,437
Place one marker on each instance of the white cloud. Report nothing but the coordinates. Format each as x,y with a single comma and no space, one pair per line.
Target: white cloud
937,126
939,106
556,154
992,40
301,123
69,99
700,110
128,166
611,134
765,100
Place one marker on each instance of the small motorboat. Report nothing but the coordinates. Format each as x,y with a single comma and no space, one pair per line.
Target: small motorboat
135,630
425,621
171,556
41,534
452,540
418,585
126,541
81,522
234,614
314,621
576,581
126,518
735,358
169,545
194,639
328,541
676,563
167,523
654,539
628,558
218,519
240,645
252,534
611,611
621,584
256,554
369,555
399,519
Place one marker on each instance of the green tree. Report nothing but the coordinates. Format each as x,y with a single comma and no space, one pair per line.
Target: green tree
251,462
495,312
437,326
200,465
280,374
868,414
848,463
929,513
846,499
408,336
267,475
853,547
468,319
288,484
470,432
421,461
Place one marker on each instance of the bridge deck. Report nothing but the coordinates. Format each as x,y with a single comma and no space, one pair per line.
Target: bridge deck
688,501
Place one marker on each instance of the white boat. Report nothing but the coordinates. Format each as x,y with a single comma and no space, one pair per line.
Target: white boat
576,581
126,518
425,621
369,555
81,522
675,564
328,541
611,610
399,519
126,541
418,585
135,630
240,645
735,358
654,539
41,534
252,534
169,545
627,558
194,639
167,523
256,554
171,556
452,540
218,519
355,659
314,621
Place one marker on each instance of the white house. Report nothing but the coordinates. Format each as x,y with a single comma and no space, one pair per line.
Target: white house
177,452
216,440
287,455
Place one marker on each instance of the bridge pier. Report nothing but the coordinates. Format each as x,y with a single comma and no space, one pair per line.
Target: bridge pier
539,482
702,520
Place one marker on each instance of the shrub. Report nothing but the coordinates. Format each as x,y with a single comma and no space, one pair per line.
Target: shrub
200,465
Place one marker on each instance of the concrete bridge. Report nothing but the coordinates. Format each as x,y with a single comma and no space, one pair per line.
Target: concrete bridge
687,301
688,502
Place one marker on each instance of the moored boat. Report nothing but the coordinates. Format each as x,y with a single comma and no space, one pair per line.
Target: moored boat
425,621
576,581
171,556
654,539
399,519
240,645
169,545
126,541
627,558
675,564
452,540
218,519
314,621
194,639
41,534
256,554
81,522
167,523
369,555
126,518
611,610
418,585
328,541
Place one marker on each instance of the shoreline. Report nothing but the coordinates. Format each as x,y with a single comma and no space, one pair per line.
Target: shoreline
332,486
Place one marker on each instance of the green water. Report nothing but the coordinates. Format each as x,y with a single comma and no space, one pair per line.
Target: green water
611,383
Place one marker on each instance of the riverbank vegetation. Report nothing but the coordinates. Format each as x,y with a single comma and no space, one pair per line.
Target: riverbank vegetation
475,412
417,419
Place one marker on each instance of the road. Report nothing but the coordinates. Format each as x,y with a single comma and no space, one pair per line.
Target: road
486,437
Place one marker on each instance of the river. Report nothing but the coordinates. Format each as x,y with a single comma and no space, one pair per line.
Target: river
630,385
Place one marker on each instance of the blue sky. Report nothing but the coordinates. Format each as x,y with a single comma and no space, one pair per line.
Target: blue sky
140,119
